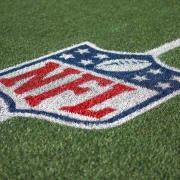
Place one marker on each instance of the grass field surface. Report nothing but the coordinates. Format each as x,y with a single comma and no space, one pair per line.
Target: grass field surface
146,147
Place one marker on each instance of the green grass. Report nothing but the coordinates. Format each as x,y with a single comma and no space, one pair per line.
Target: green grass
144,148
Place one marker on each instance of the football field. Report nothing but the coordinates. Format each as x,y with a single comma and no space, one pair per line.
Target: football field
146,147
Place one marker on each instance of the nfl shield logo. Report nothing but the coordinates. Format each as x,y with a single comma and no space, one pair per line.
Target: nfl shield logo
88,87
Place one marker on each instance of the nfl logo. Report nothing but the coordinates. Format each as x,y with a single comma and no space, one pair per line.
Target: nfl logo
87,87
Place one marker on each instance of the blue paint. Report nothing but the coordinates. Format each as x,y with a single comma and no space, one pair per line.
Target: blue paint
165,77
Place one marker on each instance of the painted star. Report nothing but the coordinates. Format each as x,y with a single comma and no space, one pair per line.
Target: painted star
86,62
101,56
163,85
176,78
155,71
66,56
82,51
140,78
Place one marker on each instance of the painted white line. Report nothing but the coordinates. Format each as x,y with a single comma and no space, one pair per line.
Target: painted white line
164,48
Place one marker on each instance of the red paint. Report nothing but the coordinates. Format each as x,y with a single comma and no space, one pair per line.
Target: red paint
84,107
37,77
73,86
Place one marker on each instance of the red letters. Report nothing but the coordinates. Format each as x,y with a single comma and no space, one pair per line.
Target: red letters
73,86
37,77
83,108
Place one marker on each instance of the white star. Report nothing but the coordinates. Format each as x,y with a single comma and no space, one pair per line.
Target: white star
86,62
101,56
66,56
176,78
155,71
82,51
140,78
163,85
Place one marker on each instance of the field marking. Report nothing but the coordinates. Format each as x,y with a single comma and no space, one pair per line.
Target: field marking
154,52
164,48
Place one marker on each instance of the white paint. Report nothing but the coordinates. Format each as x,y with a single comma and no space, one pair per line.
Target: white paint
176,78
86,62
117,65
163,85
155,71
140,78
164,48
101,56
82,51
4,114
66,56
68,98
154,52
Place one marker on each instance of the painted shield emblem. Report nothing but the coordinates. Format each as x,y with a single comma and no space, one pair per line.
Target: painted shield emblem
88,87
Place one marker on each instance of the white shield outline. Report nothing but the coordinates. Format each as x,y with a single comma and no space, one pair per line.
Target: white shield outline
154,53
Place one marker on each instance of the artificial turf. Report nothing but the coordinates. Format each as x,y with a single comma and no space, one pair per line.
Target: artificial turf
144,148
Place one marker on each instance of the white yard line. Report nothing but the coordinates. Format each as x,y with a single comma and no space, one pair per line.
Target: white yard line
164,48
